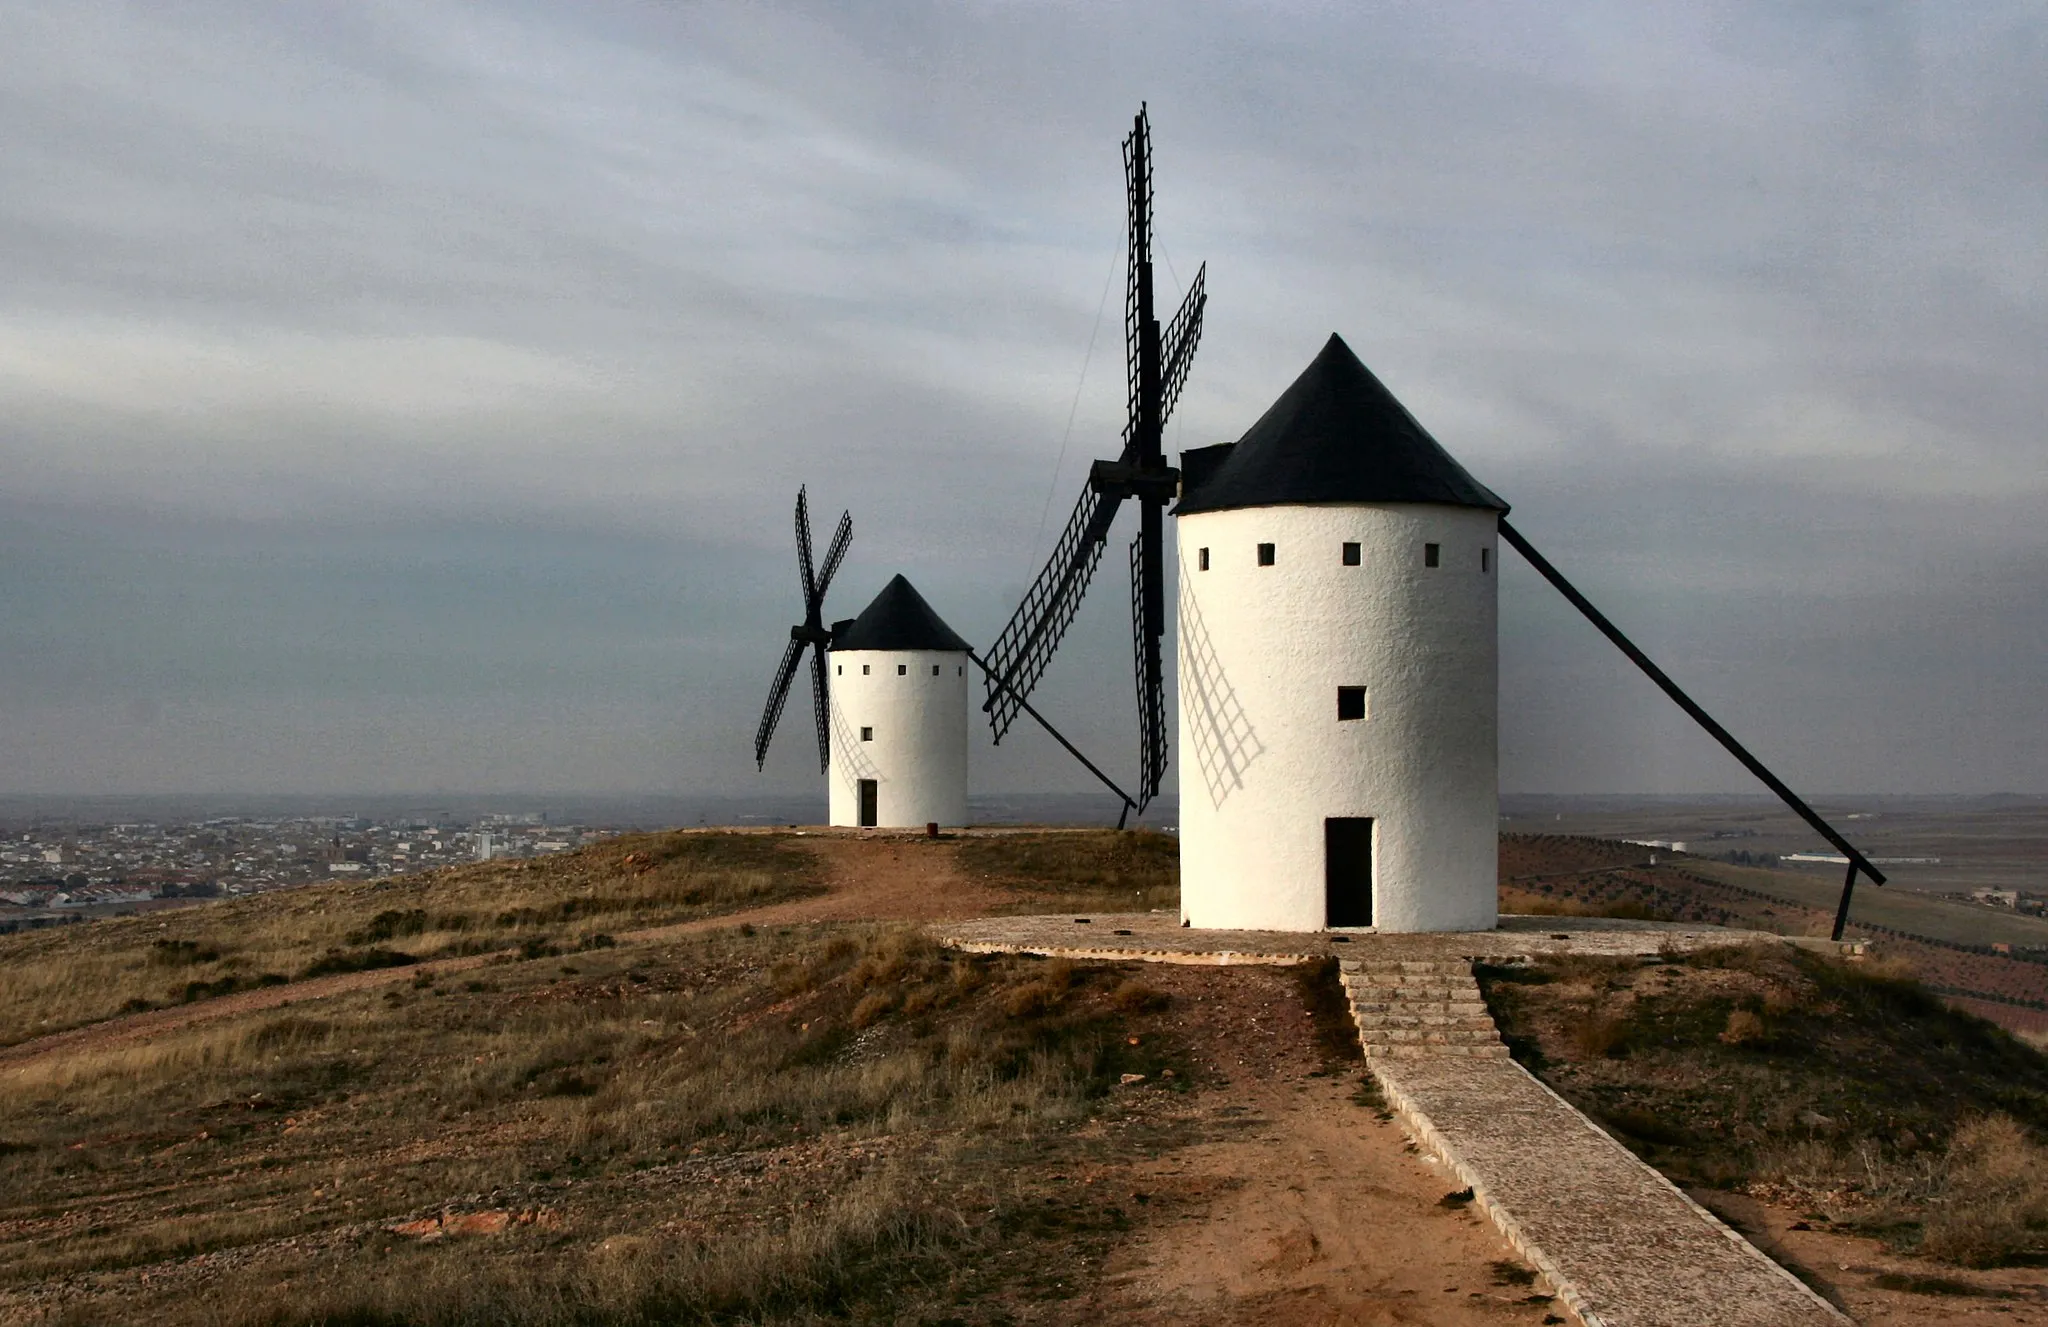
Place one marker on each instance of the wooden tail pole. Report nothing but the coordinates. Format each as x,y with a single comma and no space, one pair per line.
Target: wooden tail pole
1857,861
1057,736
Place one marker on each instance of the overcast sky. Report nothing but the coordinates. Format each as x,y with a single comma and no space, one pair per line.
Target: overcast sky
412,397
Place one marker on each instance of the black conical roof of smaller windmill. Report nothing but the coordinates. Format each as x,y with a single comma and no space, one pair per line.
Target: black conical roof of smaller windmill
898,619
1336,435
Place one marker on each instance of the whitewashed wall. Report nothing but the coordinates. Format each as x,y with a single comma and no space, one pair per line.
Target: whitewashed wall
1263,757
918,756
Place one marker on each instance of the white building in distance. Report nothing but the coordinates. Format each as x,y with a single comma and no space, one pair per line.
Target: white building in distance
1338,670
898,715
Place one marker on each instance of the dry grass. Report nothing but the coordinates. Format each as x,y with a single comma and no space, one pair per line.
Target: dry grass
1841,1087
1080,871
760,1127
1526,903
61,978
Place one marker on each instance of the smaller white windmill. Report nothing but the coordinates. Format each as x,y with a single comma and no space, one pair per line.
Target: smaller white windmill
899,715
889,695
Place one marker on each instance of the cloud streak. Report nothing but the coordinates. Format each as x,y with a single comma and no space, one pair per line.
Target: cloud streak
436,358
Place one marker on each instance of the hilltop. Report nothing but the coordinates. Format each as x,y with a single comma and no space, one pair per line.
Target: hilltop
723,1076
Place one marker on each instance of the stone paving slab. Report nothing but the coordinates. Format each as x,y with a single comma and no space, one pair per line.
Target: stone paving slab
1620,1244
1158,937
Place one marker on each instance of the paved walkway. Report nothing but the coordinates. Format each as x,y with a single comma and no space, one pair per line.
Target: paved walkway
1616,1240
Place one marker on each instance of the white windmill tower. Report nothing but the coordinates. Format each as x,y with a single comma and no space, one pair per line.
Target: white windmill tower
888,693
1337,669
899,715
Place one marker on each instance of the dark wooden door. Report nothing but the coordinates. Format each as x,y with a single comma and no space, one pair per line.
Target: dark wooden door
868,797
1347,871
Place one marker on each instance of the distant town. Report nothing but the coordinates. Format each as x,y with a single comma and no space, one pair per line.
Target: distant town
82,869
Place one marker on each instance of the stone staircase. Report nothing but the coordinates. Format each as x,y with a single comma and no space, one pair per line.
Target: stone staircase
1412,1008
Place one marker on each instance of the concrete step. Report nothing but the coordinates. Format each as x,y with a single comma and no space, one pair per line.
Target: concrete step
1428,1036
1409,980
1463,1022
1410,1050
1463,1008
1452,965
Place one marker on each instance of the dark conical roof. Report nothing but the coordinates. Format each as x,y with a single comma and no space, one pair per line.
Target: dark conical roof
1336,435
898,619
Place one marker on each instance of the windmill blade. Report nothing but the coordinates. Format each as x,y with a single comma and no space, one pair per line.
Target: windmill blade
1146,663
1020,654
803,553
1182,334
821,708
777,695
1138,322
836,553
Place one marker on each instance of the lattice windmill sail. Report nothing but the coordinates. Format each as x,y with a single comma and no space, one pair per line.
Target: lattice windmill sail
811,634
1157,370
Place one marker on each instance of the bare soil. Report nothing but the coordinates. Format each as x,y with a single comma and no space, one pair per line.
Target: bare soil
1877,1286
1303,1205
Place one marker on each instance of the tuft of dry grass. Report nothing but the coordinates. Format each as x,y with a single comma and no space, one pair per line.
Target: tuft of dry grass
1992,1202
1081,871
68,976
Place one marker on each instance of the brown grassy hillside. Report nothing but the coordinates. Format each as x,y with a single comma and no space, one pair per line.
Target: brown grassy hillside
1841,1087
65,977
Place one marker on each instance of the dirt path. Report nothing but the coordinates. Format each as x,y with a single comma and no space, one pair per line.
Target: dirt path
866,879
136,1027
1317,1211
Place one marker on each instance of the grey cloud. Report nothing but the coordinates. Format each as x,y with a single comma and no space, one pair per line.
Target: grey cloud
434,359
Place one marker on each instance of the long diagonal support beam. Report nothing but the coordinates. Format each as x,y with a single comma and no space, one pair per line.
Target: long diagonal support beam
1059,737
1857,861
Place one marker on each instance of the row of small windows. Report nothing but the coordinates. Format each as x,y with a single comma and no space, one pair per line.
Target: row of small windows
902,670
1354,555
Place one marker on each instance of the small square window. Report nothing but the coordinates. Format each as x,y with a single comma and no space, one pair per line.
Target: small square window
903,670
935,670
1485,561
1201,559
1350,703
1265,555
1432,555
1352,555
867,734
865,670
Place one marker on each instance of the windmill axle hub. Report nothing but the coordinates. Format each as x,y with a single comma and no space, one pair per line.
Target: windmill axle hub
1122,479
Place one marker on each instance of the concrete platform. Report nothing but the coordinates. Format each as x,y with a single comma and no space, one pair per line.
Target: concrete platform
1158,937
1617,1242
